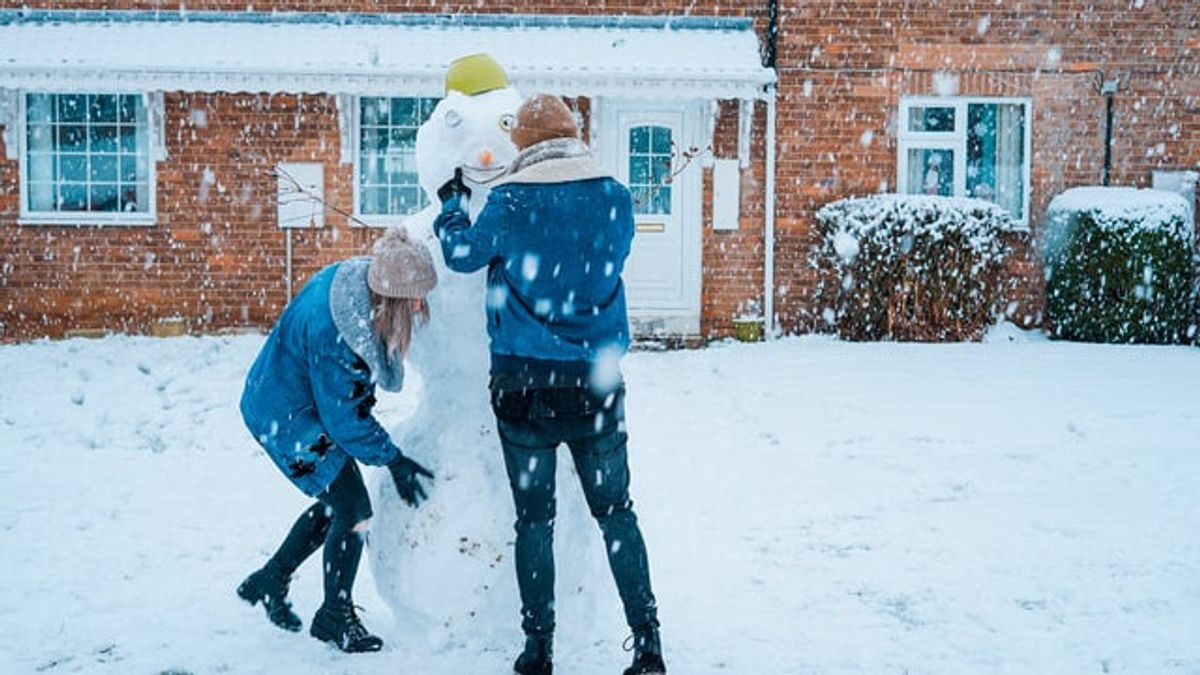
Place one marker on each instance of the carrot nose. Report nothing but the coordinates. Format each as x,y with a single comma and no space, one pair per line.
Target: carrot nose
486,158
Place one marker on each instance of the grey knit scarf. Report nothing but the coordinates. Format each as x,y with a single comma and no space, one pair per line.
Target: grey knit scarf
350,304
558,160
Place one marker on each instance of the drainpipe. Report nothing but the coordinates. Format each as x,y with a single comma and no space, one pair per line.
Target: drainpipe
769,217
1109,89
772,33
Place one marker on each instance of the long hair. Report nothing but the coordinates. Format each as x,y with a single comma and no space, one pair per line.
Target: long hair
393,320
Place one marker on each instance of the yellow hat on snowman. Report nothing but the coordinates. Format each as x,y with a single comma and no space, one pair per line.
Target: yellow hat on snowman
475,74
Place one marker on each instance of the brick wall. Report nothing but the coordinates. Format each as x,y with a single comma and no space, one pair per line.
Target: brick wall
216,256
843,65
732,260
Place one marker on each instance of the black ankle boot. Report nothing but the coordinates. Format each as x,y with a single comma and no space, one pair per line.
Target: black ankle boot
647,652
538,657
271,590
340,625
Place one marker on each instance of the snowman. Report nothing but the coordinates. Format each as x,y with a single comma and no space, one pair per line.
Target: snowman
448,566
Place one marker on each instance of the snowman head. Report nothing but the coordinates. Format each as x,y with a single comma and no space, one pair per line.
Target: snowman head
471,132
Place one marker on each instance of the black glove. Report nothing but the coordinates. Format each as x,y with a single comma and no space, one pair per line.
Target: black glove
455,187
404,474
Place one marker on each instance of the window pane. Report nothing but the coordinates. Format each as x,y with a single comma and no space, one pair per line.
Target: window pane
72,197
401,167
404,112
387,173
373,201
639,140
660,170
639,170
996,154
930,172
72,168
41,197
102,109
374,111
128,139
129,108
102,138
404,200
940,119
104,198
129,169
661,140
39,110
662,200
129,199
72,108
40,167
373,140
142,202
103,169
641,198
72,138
403,137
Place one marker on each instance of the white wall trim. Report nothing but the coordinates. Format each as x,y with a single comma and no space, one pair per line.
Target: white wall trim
9,113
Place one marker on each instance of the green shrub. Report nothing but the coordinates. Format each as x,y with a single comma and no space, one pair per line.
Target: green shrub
910,267
1120,266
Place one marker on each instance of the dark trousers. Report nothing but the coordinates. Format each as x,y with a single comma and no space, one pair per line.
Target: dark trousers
330,523
532,424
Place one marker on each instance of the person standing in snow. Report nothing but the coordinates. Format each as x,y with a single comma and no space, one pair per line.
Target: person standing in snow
554,235
308,401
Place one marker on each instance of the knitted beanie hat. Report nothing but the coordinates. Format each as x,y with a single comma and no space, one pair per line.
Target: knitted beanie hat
401,267
541,118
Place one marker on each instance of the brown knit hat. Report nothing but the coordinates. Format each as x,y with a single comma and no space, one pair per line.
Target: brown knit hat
401,268
543,117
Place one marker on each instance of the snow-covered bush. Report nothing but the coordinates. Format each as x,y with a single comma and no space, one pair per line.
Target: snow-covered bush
912,267
1120,266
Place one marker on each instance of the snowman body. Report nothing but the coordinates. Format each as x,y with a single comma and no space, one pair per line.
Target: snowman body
448,565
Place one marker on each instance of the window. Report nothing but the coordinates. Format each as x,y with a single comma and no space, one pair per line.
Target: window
86,159
386,165
650,169
967,147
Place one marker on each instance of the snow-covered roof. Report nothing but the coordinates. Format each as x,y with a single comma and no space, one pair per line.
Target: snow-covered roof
376,54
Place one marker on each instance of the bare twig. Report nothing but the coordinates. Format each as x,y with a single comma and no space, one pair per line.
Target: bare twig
295,187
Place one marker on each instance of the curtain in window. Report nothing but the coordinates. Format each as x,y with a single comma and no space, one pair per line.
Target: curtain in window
1010,158
930,171
996,154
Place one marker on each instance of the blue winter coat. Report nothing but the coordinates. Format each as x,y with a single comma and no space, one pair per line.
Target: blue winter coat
554,240
309,394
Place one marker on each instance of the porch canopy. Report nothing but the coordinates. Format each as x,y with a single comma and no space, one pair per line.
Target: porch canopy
376,54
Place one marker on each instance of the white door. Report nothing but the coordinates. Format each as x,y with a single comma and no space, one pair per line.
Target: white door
652,148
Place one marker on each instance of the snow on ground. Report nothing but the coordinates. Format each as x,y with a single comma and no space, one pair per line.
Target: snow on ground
811,506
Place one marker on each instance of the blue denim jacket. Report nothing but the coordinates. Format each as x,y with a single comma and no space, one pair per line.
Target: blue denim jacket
308,397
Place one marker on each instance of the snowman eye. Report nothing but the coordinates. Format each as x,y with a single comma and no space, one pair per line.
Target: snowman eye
507,122
453,118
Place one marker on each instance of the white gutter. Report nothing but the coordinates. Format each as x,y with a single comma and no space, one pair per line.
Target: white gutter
769,243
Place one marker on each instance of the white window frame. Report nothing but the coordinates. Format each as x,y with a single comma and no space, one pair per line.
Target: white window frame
374,220
146,218
957,140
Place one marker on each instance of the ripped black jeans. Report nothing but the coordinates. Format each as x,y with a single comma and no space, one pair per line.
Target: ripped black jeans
330,523
532,424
